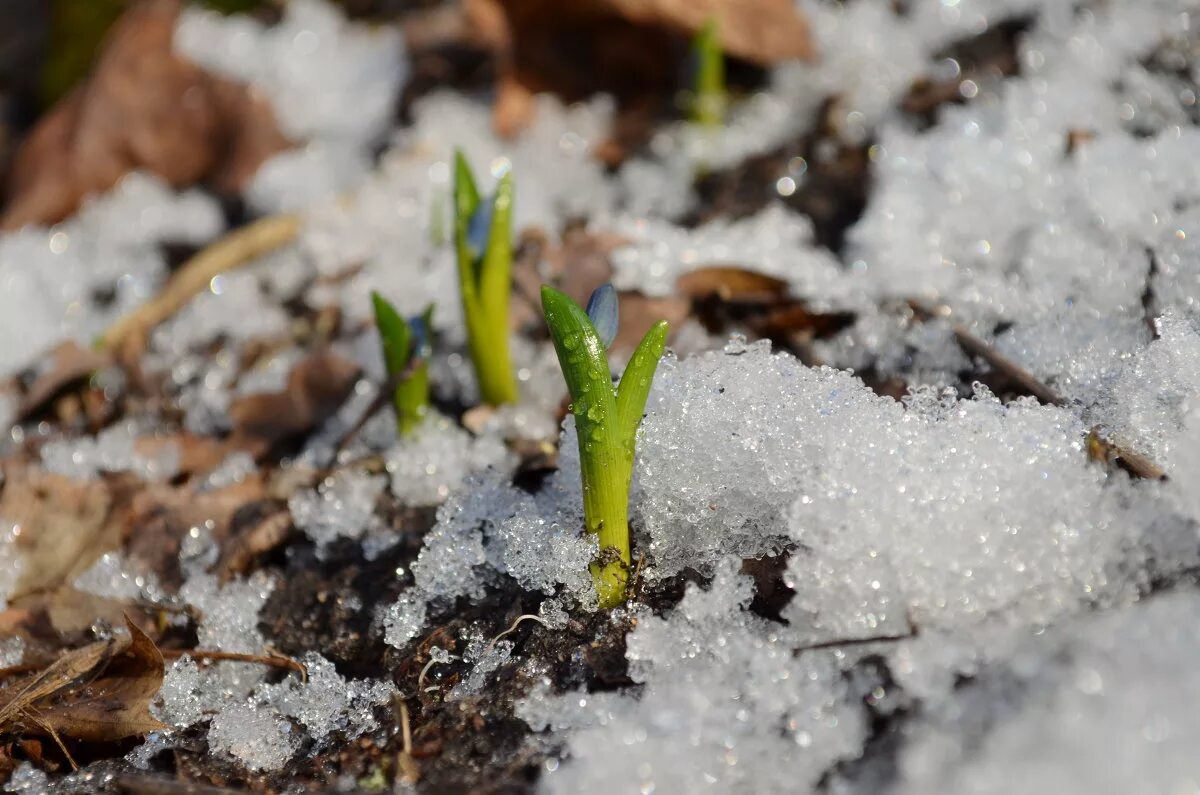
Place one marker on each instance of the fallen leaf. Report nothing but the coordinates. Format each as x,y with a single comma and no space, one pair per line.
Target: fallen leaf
63,526
316,387
99,693
68,365
730,283
143,107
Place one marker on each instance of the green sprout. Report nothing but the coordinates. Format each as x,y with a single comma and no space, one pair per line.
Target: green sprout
709,96
483,244
606,421
406,356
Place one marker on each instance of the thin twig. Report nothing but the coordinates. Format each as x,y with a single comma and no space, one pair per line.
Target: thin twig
839,643
380,400
272,660
1134,463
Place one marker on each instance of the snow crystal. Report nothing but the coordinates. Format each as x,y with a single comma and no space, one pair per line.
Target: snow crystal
1078,355
325,77
725,706
12,564
326,702
1101,707
234,307
113,576
112,450
776,241
12,651
182,698
433,461
27,780
299,178
235,468
557,178
259,739
229,612
54,277
899,512
343,506
1147,401
485,657
403,619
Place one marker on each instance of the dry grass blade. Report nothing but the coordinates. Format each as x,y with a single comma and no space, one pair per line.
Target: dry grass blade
238,248
72,666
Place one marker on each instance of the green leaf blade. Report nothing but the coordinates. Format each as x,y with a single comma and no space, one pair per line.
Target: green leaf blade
637,379
394,334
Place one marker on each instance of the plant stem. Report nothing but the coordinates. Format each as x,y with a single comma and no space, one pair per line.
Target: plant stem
710,95
606,421
485,281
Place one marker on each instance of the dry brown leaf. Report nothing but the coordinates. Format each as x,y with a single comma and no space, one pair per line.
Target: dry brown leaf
69,365
64,525
99,693
315,389
142,107
630,48
729,283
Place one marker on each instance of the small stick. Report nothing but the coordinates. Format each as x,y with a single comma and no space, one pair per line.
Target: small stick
161,785
1134,463
1025,379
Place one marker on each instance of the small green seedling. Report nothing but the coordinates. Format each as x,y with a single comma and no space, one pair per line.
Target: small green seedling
483,244
606,421
406,351
709,96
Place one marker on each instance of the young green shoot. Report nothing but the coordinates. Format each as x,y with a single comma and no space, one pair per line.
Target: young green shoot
709,96
606,421
483,244
406,351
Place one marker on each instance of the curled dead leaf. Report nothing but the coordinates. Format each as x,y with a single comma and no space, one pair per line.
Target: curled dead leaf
640,312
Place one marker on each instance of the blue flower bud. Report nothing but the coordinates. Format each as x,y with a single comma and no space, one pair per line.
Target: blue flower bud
603,311
479,228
